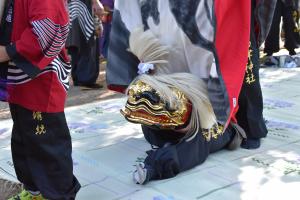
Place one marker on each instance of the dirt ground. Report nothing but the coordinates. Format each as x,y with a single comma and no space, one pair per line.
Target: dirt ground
77,95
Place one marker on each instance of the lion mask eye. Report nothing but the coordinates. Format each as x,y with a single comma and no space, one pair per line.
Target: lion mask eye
152,96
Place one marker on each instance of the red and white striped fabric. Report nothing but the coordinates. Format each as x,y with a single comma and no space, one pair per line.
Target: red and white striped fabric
39,79
51,36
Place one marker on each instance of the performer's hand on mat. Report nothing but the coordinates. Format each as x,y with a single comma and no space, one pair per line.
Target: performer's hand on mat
98,8
3,54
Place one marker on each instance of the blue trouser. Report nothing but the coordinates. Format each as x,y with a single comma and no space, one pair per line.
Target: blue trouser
85,62
104,41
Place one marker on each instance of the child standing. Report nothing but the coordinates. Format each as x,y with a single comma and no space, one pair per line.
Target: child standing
33,35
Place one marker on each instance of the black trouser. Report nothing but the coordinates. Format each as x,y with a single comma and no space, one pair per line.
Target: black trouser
250,113
174,156
41,150
85,61
291,38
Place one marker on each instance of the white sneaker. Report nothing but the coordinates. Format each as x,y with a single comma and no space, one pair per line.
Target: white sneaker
140,174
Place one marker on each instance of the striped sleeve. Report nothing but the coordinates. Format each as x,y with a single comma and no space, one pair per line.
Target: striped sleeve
44,38
51,36
78,10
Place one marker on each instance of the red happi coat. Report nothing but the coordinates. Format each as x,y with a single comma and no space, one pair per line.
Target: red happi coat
38,77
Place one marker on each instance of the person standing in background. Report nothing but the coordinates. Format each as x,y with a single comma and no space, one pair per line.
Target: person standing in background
285,10
83,41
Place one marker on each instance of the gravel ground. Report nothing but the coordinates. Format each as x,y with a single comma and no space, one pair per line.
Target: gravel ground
8,189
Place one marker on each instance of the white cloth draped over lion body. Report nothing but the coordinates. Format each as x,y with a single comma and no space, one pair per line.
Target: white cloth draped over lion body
184,56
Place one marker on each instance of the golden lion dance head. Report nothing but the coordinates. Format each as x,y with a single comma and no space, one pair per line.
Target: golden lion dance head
145,106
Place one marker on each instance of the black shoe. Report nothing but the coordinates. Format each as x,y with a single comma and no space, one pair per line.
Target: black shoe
89,86
250,144
270,61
